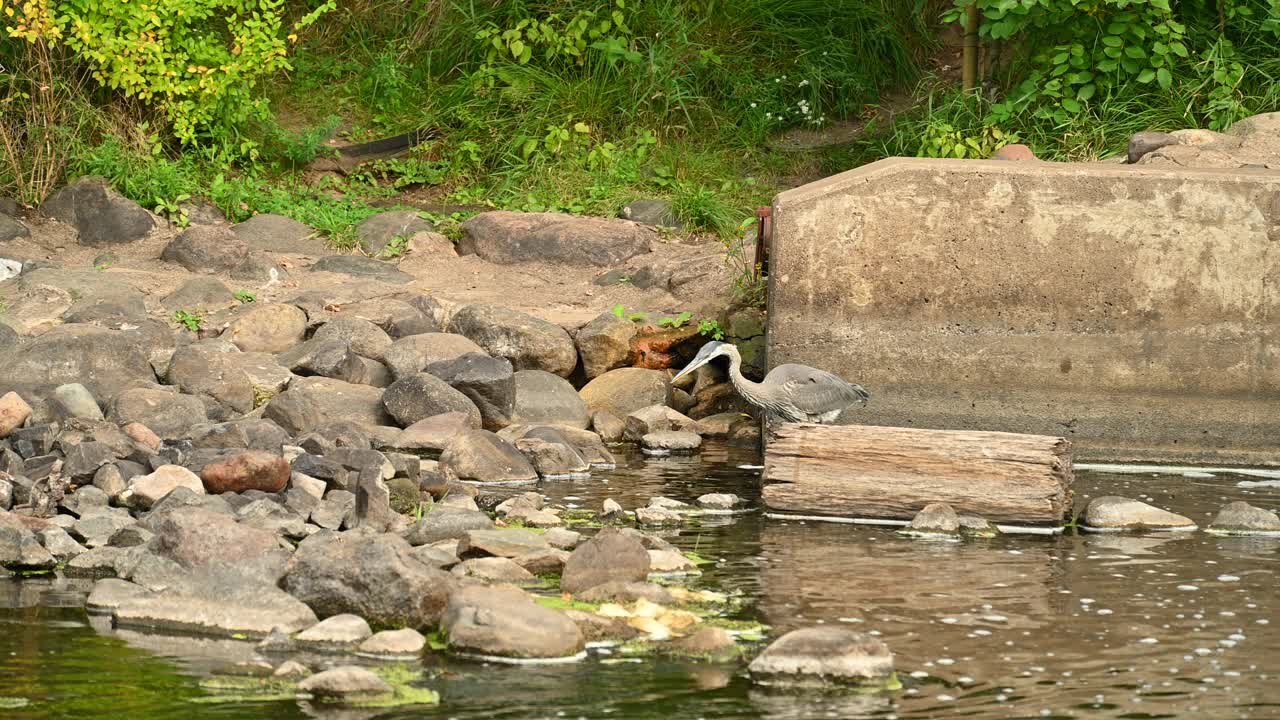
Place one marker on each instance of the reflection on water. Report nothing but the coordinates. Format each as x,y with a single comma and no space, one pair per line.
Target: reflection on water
1103,626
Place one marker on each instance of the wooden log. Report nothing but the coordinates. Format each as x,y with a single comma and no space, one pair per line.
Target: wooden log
867,471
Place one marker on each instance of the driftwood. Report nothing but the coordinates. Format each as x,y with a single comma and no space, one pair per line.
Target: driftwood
866,471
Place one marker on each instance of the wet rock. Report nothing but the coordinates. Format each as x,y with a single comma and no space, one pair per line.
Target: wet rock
289,669
166,413
14,411
610,509
200,294
279,234
508,238
311,402
219,370
362,267
364,338
626,390
373,576
251,470
444,523
670,561
346,682
488,382
109,593
934,520
669,442
337,631
1241,518
147,490
267,327
378,231
509,543
720,501
481,456
397,643
823,656
74,400
59,544
526,342
412,354
504,621
609,426
977,527
627,592
658,517
420,396
541,397
100,215
1118,513
562,539
494,570
586,443
655,419
608,557
605,344
709,642
649,211
553,460
217,600
208,249
192,536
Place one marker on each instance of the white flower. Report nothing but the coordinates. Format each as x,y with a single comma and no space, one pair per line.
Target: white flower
777,80
753,104
804,83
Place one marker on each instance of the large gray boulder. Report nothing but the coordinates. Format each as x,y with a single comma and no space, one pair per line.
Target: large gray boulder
218,369
610,556
311,402
165,412
432,435
104,361
207,249
446,523
604,344
414,353
544,398
246,434
364,338
625,390
488,382
267,327
279,234
193,535
504,621
481,456
373,576
200,294
100,215
1241,518
507,238
528,342
417,397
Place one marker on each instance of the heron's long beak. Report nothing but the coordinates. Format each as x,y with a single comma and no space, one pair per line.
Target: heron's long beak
694,365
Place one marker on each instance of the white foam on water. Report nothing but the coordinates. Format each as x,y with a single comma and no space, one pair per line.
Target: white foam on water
1184,470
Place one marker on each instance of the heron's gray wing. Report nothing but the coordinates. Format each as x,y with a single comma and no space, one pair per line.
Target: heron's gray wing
814,391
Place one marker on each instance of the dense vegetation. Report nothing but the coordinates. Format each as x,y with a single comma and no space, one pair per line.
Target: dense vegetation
578,105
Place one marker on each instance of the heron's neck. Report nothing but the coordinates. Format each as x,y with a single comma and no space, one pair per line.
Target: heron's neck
746,388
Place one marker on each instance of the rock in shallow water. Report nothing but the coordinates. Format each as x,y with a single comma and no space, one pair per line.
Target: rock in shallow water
1118,513
610,556
504,621
823,656
217,600
347,681
394,643
1241,518
339,630
934,520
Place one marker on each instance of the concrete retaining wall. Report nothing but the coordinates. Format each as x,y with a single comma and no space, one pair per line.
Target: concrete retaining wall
1133,310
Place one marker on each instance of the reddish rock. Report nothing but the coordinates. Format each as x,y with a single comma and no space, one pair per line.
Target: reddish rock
654,349
251,470
142,435
13,412
1016,152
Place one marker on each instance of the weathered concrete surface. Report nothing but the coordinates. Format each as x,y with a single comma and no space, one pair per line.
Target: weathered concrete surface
1133,310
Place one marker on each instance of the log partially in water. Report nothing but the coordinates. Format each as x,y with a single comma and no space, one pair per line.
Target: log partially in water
867,471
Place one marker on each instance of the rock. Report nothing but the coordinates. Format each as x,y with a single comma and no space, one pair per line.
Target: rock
74,400
508,543
109,593
362,267
397,643
200,294
333,511
96,529
373,576
432,435
331,358
934,520
247,434
192,536
378,231
654,419
1241,518
608,557
610,509
504,621
20,550
552,459
410,355
142,435
279,234
823,656
219,370
562,539
37,310
1016,152
544,562
289,669
267,327
347,681
251,470
419,396
147,490
508,238
311,402
444,523
100,215
207,249
14,411
363,337
626,390
130,536
668,442
10,230
529,343
658,213
524,501
110,481
481,456
373,503
95,563
1144,142
605,344
709,642
488,382
166,413
977,527
85,500
494,570
337,631
609,426
1117,513
437,556
585,442
544,398
720,501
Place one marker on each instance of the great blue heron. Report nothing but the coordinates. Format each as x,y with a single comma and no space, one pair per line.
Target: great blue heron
789,393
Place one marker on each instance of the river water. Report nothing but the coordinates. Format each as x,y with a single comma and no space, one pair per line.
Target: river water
1075,626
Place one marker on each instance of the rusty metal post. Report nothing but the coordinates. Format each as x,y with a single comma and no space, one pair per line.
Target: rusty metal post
764,233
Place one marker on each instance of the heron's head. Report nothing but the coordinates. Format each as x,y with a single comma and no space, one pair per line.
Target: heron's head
706,354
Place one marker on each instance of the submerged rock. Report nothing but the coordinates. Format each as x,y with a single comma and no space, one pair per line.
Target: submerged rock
1112,513
823,656
720,501
1241,518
